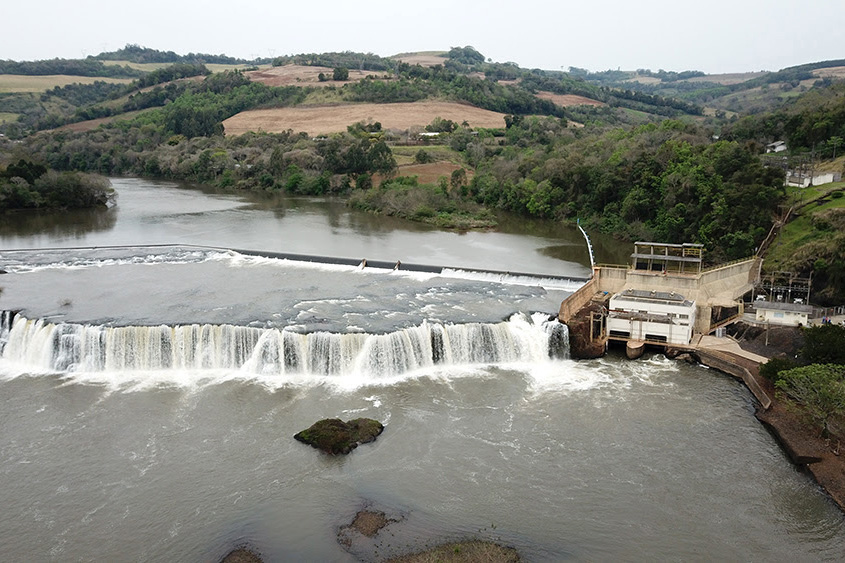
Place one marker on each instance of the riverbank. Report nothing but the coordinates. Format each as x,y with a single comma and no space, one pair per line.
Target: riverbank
802,443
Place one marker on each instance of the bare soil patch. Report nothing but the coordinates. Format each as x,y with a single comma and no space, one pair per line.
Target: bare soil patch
299,75
333,119
644,79
564,100
422,59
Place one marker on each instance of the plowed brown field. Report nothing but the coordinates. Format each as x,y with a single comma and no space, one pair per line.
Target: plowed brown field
564,100
422,59
333,119
298,75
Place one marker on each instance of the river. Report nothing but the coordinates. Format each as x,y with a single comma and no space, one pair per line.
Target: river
152,385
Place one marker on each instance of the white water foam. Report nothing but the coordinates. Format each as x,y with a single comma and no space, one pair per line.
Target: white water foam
562,284
193,355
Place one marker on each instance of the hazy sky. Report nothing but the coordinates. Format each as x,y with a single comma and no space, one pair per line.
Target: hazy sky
713,36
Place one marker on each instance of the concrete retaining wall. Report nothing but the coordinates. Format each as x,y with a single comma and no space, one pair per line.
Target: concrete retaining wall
724,363
577,300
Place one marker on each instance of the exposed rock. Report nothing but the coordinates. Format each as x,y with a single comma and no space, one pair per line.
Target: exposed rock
471,550
334,436
242,555
686,357
369,522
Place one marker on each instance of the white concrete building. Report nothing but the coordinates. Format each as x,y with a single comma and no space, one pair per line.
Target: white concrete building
798,180
651,316
777,146
791,314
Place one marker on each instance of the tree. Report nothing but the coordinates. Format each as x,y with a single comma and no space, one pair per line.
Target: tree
381,158
834,143
819,389
340,74
824,344
440,125
459,178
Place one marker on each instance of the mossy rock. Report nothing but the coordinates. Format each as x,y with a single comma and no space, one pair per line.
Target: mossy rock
334,436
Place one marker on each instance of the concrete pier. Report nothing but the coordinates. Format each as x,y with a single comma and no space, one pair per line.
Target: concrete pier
634,349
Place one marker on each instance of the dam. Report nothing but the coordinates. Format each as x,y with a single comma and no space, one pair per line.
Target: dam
665,298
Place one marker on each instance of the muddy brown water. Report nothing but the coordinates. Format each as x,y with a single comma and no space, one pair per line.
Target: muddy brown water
563,460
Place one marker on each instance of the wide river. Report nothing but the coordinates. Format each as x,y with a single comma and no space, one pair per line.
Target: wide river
154,378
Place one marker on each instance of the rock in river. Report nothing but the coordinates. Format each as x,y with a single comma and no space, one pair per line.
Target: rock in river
334,436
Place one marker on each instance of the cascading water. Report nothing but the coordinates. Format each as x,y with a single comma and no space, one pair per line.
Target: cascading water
6,318
70,347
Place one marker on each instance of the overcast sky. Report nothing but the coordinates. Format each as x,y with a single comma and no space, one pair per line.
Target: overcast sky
713,36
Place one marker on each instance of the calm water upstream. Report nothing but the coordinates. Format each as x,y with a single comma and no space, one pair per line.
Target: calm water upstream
150,394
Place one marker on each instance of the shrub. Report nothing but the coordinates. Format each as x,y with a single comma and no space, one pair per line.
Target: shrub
819,389
771,370
423,157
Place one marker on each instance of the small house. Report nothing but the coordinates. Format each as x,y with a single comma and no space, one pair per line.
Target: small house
781,313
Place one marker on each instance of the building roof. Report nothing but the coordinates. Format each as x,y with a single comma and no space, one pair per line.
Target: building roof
670,298
781,306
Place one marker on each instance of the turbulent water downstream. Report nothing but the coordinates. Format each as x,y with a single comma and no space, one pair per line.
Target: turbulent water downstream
150,395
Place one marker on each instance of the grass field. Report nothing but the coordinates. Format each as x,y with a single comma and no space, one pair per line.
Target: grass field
728,78
6,117
92,124
406,156
333,119
801,229
16,83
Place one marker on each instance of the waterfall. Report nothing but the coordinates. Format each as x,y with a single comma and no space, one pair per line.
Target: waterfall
6,318
67,347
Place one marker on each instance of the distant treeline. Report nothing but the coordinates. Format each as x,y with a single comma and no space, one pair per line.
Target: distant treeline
73,67
137,54
676,84
616,97
792,74
345,59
